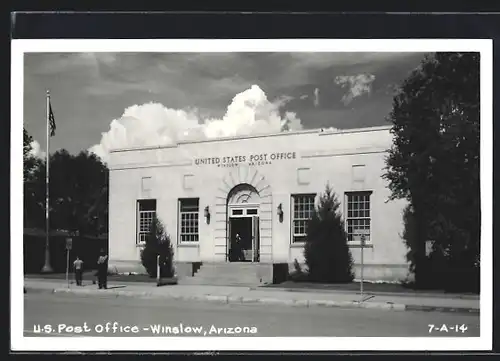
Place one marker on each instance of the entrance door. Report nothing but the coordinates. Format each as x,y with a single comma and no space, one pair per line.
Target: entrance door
243,233
240,241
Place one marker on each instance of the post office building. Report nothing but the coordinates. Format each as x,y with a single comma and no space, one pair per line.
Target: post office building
255,194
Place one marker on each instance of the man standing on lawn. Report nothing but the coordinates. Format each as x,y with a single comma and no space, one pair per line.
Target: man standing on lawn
78,266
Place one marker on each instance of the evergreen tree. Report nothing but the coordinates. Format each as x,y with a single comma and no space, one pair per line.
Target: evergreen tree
158,243
326,252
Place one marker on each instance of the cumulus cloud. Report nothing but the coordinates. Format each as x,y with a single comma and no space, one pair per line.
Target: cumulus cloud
250,112
356,85
36,150
316,97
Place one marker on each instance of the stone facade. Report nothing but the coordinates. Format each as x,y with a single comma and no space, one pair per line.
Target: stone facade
261,173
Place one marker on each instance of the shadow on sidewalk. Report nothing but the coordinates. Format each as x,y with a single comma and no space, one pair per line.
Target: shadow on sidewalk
114,287
108,288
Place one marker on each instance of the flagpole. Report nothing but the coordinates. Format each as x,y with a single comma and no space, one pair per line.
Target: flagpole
47,268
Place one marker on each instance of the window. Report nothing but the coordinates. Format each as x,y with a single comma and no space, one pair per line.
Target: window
146,212
189,214
358,214
303,210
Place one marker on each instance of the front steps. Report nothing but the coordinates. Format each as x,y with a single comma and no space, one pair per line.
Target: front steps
231,274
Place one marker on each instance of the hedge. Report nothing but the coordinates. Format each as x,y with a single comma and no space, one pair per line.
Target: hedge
87,248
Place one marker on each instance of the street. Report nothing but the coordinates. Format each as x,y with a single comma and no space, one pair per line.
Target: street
70,315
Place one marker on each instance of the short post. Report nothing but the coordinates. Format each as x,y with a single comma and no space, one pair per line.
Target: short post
362,265
158,270
69,245
67,267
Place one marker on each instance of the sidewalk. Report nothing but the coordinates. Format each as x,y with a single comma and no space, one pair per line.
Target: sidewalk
245,295
388,289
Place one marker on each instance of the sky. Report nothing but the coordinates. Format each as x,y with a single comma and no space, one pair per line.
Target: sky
103,101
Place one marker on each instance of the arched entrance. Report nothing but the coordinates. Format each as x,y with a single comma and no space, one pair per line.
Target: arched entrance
243,231
243,187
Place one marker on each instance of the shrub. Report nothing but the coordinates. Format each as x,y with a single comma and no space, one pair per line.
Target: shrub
86,247
158,243
326,252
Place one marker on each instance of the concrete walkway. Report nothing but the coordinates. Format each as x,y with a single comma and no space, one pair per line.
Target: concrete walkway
245,295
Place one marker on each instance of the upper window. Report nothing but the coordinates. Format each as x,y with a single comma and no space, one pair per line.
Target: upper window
303,210
188,216
243,212
146,212
358,215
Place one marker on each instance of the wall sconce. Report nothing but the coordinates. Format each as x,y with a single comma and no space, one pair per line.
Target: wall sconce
280,213
207,214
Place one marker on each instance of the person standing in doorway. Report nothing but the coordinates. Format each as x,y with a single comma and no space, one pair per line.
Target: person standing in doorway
238,248
102,270
78,267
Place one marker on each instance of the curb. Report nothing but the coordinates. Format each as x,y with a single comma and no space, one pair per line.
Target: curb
221,299
375,293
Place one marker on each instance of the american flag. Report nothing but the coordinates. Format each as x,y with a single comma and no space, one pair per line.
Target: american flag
52,122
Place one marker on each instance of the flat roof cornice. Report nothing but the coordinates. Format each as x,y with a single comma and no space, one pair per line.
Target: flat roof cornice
242,137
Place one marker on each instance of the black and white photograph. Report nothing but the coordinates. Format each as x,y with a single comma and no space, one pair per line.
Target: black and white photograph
310,193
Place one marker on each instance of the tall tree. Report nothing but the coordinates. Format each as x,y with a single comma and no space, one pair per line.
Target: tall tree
79,192
78,196
31,165
434,160
34,197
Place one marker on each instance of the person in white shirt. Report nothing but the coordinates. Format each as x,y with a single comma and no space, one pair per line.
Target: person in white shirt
78,267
